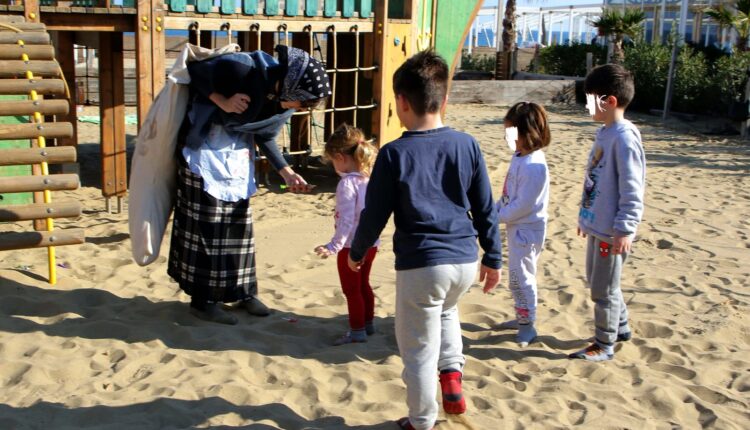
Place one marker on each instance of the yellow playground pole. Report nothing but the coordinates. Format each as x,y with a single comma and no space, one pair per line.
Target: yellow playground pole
45,171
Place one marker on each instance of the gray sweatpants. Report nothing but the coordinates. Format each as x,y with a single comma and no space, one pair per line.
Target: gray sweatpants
603,270
428,332
524,248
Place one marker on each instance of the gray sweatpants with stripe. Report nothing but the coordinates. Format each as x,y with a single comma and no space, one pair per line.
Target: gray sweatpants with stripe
428,332
603,271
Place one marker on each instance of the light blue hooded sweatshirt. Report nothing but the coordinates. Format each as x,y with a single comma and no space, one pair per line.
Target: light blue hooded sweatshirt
615,182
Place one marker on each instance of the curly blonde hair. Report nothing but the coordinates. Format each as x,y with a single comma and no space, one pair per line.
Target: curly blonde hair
351,141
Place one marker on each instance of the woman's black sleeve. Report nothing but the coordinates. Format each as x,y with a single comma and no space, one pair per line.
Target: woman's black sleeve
267,145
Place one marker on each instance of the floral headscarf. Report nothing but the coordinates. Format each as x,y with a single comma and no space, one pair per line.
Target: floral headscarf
306,78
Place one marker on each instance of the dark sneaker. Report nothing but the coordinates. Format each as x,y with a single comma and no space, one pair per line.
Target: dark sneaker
350,337
453,397
255,307
214,313
404,424
526,334
624,337
592,352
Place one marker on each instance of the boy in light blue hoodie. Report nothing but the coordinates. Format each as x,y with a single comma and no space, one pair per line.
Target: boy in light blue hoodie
612,204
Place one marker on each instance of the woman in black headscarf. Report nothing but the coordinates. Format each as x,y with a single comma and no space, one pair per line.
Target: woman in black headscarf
238,101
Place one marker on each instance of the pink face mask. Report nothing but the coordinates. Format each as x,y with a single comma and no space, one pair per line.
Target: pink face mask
511,136
594,102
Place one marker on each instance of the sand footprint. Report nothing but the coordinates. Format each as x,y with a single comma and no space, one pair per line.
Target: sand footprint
678,371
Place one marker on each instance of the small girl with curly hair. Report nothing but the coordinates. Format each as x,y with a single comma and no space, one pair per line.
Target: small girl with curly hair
352,157
523,209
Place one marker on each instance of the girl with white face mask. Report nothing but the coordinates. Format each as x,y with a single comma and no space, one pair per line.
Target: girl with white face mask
523,209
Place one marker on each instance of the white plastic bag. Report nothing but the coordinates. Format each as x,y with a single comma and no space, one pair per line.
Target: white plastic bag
154,168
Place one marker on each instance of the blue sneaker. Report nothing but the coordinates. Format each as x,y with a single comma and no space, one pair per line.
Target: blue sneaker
526,334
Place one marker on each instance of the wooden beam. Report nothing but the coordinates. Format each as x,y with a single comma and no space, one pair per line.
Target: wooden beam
65,54
12,18
24,86
150,53
28,107
381,82
40,239
34,52
25,26
31,10
294,24
52,155
18,68
26,184
144,81
67,209
112,112
31,131
299,138
28,38
89,22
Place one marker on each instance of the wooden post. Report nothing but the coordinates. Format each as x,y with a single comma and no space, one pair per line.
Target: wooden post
66,58
381,82
31,10
299,138
345,45
746,123
112,111
150,53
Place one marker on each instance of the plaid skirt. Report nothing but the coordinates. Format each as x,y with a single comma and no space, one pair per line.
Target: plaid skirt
212,251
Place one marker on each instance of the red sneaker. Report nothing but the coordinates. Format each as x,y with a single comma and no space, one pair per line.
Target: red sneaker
453,397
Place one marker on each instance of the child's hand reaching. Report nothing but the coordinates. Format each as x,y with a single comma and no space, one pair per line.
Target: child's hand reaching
323,251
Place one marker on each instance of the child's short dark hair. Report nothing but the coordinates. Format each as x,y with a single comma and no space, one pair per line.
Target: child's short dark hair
611,80
531,121
423,81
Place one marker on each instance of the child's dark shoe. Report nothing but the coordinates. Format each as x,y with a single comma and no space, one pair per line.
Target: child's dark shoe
405,424
453,397
526,334
624,337
369,327
354,336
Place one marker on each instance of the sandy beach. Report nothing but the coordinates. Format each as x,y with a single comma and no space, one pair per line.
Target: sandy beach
112,346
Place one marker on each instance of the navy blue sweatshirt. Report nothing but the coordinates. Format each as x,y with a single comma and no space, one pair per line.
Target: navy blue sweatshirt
436,185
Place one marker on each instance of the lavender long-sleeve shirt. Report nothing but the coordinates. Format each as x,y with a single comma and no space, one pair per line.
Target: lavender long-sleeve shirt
350,200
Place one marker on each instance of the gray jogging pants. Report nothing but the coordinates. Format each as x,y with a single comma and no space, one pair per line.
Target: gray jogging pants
428,332
603,271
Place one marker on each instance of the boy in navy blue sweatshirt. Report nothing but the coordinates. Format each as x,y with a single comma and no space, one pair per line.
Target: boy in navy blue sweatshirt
434,181
611,206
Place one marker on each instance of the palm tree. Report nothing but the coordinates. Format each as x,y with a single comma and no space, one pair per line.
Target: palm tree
509,26
618,24
738,19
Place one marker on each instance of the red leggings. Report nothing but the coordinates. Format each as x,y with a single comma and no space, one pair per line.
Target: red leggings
356,287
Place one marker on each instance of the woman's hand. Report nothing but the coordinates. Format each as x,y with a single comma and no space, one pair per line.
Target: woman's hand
238,103
294,182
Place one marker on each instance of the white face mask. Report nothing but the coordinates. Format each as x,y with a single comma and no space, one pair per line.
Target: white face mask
593,102
511,136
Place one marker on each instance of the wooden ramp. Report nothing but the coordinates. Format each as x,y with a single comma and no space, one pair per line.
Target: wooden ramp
28,72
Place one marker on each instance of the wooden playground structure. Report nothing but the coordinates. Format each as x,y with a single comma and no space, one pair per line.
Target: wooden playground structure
28,72
362,42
